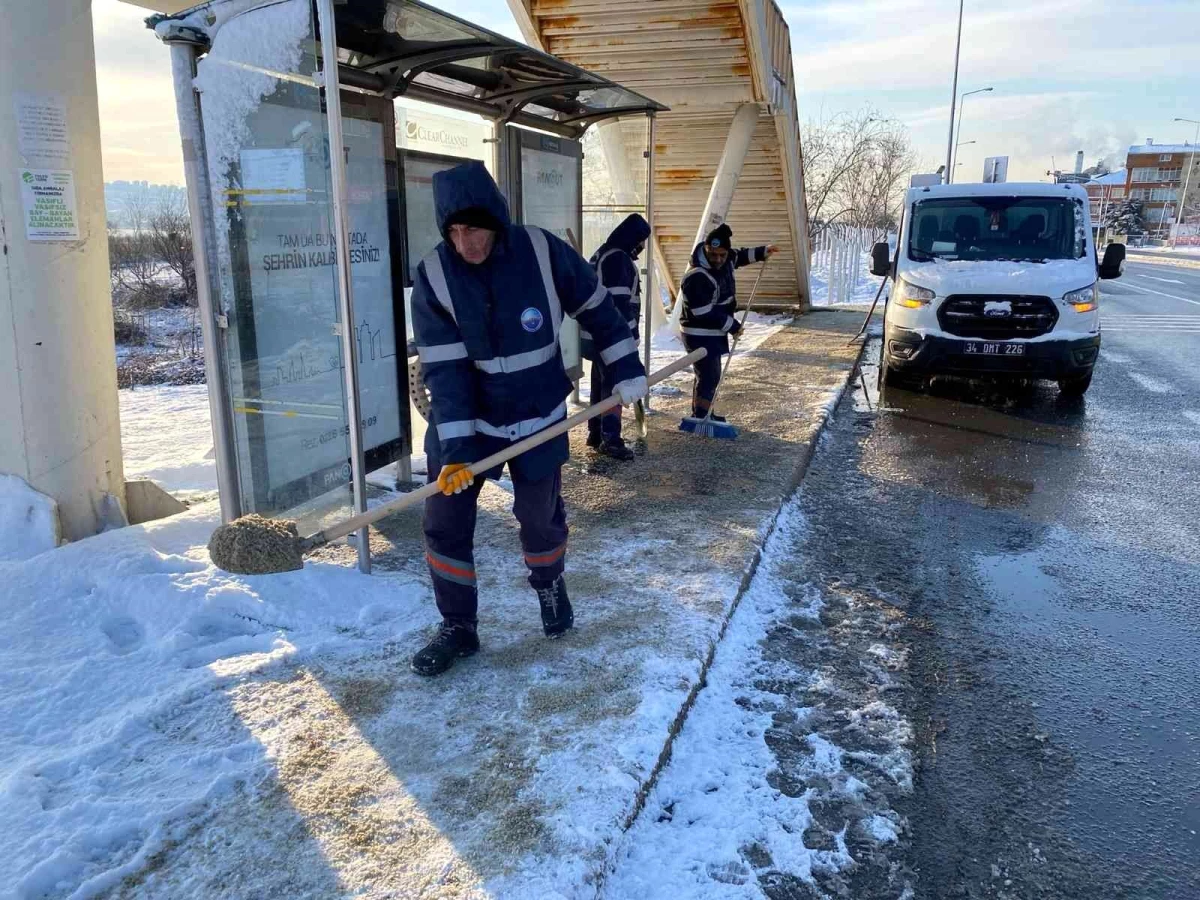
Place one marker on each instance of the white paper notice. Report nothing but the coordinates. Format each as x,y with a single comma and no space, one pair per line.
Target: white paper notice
49,199
273,176
42,133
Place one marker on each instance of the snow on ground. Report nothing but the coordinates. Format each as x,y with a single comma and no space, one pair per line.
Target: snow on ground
28,520
723,818
715,798
151,704
166,436
863,291
115,727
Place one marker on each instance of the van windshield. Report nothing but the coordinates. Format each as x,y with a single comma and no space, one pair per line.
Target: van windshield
997,228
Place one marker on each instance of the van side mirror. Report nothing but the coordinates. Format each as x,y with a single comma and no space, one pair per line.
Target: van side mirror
1113,264
881,259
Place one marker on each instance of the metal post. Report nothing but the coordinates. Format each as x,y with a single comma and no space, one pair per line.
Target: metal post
212,317
962,101
651,296
341,215
953,97
404,471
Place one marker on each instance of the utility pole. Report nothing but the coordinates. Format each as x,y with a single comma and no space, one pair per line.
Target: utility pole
954,97
961,103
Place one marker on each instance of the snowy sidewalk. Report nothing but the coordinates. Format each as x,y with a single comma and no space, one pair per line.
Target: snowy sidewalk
203,735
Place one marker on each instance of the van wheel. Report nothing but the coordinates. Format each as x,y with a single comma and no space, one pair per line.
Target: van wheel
1076,386
890,378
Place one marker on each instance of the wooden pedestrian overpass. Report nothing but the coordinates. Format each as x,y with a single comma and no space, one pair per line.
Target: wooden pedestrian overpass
724,68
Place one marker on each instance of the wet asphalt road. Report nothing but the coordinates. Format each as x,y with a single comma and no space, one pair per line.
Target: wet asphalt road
1047,557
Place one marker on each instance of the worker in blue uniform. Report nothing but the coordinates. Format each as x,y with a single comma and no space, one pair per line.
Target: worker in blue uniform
709,303
487,306
616,265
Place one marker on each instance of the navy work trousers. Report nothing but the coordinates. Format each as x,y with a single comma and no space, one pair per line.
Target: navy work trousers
450,539
607,426
708,376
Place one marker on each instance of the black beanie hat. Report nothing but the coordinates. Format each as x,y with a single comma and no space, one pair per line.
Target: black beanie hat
721,236
474,217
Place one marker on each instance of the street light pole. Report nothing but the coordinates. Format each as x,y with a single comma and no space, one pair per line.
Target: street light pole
962,101
954,97
1187,181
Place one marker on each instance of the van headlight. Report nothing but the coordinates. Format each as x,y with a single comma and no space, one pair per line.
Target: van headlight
911,296
1085,299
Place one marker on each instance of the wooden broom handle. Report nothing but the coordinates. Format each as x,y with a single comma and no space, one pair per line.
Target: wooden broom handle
333,532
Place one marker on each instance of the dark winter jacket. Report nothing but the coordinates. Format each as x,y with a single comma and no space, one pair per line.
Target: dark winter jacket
710,299
618,271
487,335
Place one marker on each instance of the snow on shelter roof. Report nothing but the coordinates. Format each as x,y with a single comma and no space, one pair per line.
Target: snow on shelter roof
1117,177
1004,189
404,47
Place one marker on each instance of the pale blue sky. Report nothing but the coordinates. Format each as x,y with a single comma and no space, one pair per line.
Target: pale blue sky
1068,75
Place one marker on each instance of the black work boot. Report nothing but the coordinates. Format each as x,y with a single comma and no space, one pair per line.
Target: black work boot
454,639
594,439
557,615
615,449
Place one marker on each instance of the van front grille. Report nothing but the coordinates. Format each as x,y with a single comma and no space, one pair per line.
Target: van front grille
999,317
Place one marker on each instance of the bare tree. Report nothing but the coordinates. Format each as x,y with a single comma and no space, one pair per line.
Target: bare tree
855,169
170,232
151,243
132,263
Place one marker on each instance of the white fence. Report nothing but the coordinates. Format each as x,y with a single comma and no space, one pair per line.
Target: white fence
838,255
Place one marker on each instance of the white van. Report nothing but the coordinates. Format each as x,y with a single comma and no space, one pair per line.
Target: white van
994,279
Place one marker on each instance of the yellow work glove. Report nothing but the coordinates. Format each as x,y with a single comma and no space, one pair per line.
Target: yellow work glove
455,478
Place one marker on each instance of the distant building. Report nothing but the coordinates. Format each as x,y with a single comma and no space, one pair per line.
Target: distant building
1156,176
1105,192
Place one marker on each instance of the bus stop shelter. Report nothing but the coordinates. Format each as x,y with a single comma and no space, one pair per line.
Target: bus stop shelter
306,359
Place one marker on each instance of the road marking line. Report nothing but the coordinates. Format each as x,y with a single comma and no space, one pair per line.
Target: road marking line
1191,414
1146,290
1153,385
1156,278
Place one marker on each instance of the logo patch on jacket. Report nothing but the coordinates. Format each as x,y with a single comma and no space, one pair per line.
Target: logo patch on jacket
531,319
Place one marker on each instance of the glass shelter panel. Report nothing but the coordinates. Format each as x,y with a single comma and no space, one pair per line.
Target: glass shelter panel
268,160
550,182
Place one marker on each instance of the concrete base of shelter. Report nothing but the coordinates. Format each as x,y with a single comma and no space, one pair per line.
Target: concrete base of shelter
516,773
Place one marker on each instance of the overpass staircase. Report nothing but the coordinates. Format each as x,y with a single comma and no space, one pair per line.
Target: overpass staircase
713,64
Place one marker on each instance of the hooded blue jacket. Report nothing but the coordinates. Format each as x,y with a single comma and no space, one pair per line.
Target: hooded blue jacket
618,271
487,334
710,299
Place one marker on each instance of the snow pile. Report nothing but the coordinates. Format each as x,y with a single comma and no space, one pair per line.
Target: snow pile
116,725
166,436
28,520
